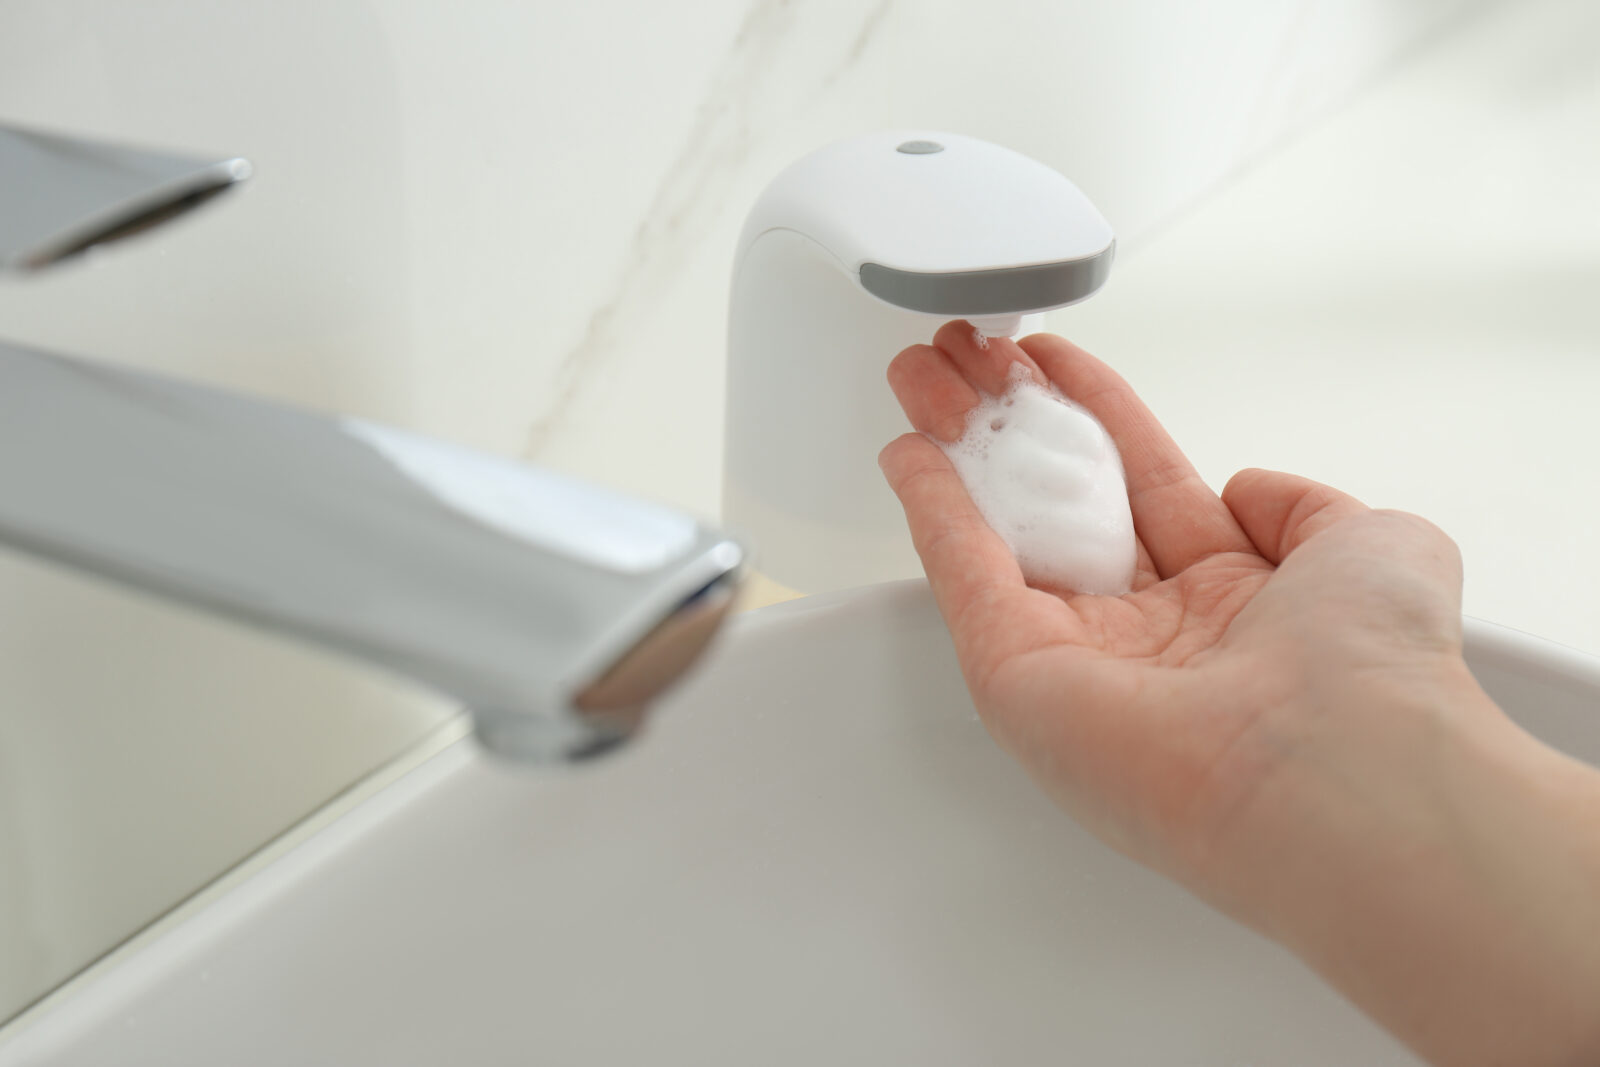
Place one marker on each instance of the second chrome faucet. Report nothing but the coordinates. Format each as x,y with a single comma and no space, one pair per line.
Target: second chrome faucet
554,610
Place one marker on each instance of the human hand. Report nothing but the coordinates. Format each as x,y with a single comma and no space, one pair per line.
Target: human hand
1278,715
1166,719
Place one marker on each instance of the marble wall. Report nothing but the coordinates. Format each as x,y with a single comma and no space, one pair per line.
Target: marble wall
509,225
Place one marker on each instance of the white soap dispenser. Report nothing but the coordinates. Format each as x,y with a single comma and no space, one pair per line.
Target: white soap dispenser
851,254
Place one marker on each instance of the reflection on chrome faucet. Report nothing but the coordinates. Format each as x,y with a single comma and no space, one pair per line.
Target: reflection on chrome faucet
554,610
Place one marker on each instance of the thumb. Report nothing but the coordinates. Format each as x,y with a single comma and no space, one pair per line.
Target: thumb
1397,576
1278,511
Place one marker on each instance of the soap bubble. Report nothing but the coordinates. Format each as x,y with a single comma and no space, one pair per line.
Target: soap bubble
1051,486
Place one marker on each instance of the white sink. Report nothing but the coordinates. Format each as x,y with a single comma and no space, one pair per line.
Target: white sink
816,856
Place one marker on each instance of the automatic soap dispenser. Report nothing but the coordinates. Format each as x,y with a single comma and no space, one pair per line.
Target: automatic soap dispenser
851,254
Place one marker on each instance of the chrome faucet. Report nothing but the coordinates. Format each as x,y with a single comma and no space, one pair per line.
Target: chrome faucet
65,195
553,610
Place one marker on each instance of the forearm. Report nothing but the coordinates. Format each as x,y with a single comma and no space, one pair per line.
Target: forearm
1450,887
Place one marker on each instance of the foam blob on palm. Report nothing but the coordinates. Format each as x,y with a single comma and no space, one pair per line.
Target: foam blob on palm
1047,478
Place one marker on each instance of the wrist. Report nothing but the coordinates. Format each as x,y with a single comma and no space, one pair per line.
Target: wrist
1418,851
1371,809
1349,768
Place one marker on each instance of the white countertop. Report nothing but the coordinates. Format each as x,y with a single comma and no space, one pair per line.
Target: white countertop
1405,303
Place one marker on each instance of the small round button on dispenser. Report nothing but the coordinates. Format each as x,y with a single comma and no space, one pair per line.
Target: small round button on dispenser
920,148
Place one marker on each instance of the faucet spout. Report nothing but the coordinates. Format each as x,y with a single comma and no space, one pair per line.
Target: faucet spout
64,195
554,610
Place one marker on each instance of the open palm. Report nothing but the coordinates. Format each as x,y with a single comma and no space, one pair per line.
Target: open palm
1164,718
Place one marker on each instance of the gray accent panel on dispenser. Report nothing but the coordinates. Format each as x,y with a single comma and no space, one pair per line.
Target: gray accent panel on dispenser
1003,290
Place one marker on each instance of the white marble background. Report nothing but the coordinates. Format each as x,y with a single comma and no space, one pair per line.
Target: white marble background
509,225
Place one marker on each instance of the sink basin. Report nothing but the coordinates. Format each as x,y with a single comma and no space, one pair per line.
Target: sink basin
817,856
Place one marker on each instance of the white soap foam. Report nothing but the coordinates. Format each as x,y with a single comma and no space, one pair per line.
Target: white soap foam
1048,480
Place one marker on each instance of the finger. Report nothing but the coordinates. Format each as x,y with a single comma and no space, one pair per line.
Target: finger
933,394
937,395
1144,569
988,365
964,558
1177,516
991,613
1278,511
